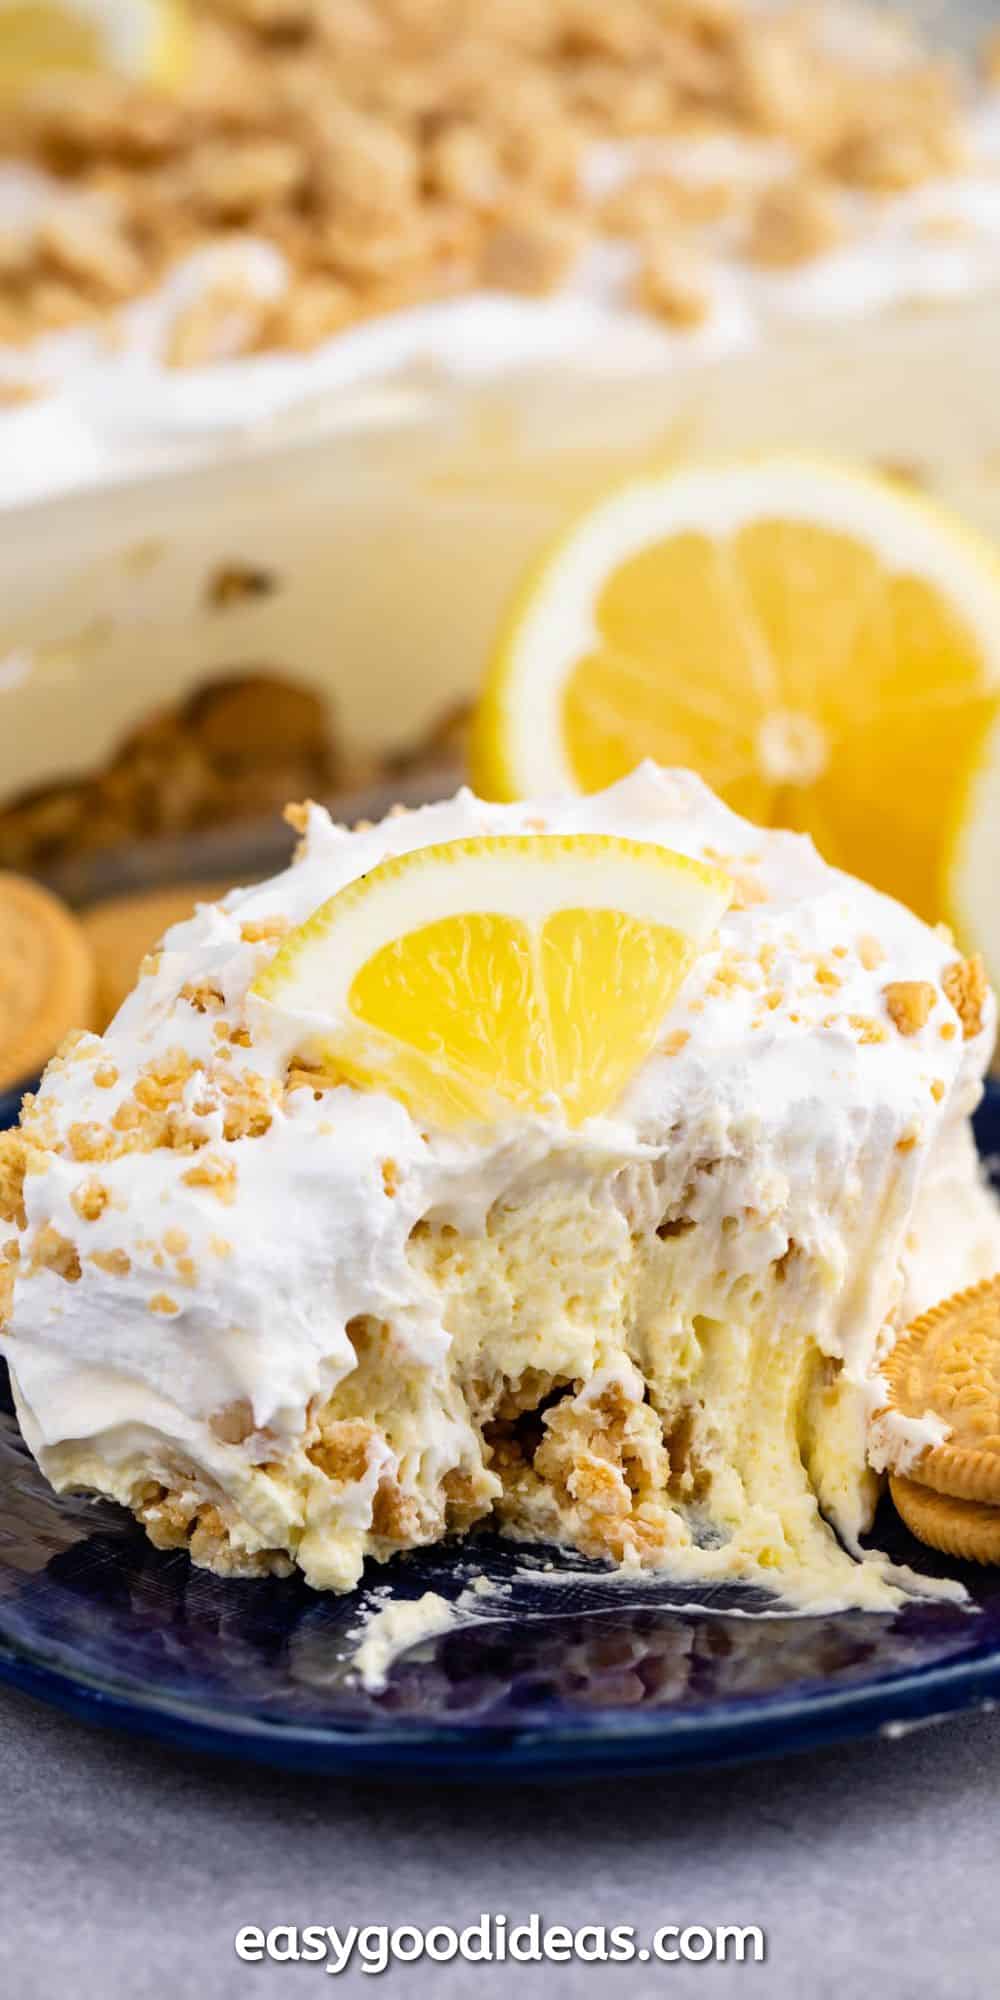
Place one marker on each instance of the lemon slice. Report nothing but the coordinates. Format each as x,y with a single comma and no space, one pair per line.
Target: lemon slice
972,853
145,39
529,972
821,647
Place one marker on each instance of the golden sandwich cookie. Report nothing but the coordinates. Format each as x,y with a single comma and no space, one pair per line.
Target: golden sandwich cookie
962,1528
47,983
948,1362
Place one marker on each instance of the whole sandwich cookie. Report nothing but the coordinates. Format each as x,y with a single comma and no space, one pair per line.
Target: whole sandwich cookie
47,983
945,1372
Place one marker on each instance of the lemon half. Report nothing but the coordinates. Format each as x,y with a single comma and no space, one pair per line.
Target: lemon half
823,648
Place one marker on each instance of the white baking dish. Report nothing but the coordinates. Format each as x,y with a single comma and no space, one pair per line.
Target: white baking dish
393,526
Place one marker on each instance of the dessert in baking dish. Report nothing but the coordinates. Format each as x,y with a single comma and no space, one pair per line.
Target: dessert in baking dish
569,1167
325,195
340,328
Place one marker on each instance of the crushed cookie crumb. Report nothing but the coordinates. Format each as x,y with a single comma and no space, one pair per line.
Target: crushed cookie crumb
13,1168
390,1178
892,162
161,1302
793,222
300,1078
967,987
117,1263
947,1031
263,930
248,1104
217,1175
88,1141
106,1075
51,1251
908,1003
866,1030
643,206
90,1201
870,952
937,1089
74,1046
533,249
673,1043
674,284
203,995
235,1423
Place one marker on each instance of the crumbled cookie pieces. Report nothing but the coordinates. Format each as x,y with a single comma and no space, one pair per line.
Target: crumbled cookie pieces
967,987
390,152
908,1003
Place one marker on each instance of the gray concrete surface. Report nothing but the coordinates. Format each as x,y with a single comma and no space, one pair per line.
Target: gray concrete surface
125,1871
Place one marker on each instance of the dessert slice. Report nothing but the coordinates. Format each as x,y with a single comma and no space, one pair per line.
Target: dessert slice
274,1285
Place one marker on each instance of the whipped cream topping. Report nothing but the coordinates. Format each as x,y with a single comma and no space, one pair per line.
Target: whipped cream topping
110,406
224,1277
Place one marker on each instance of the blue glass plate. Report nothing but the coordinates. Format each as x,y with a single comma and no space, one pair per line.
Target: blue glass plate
589,1674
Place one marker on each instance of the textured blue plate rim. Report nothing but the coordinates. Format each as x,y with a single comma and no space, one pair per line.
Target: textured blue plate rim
718,1734
624,1740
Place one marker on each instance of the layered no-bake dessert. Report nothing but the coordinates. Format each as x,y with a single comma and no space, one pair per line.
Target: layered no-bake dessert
570,1167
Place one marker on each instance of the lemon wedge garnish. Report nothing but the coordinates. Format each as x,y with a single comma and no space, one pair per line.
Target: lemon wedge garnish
822,647
484,976
144,39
